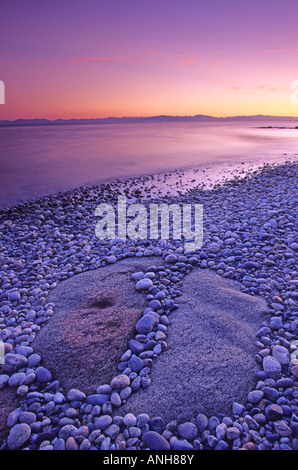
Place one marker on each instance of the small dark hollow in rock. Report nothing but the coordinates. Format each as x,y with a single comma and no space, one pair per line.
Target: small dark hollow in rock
103,303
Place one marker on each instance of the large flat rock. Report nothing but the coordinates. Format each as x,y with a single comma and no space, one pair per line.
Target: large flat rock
209,362
94,318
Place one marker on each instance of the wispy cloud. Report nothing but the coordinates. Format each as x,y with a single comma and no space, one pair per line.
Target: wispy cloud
78,60
255,89
267,87
257,51
235,87
150,59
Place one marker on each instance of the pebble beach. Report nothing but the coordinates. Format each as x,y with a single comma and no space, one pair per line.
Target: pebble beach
250,236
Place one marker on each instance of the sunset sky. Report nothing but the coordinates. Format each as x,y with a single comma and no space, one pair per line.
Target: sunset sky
99,58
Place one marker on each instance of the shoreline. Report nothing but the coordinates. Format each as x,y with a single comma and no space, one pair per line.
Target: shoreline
249,236
203,176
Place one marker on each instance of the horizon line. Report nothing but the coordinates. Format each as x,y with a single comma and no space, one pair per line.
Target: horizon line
150,117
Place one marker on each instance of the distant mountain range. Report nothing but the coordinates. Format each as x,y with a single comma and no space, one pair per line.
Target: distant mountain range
162,118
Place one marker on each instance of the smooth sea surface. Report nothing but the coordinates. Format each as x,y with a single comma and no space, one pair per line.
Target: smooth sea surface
43,160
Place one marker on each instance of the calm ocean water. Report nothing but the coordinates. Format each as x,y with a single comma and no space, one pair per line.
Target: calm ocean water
42,160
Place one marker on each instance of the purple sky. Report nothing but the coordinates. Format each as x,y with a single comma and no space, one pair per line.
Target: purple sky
96,58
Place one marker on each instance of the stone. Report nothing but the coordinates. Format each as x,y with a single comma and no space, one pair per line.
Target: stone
233,433
33,360
120,381
59,444
76,395
274,412
171,258
14,296
135,346
135,363
255,396
120,442
3,380
43,375
13,362
250,265
276,323
212,423
104,389
222,445
271,364
129,420
155,441
145,324
106,444
16,379
116,399
97,399
27,417
221,431
144,284
201,422
71,444
284,383
112,431
103,422
249,446
237,408
137,276
85,444
179,444
282,428
188,431
280,353
294,370
18,436
157,424
270,393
